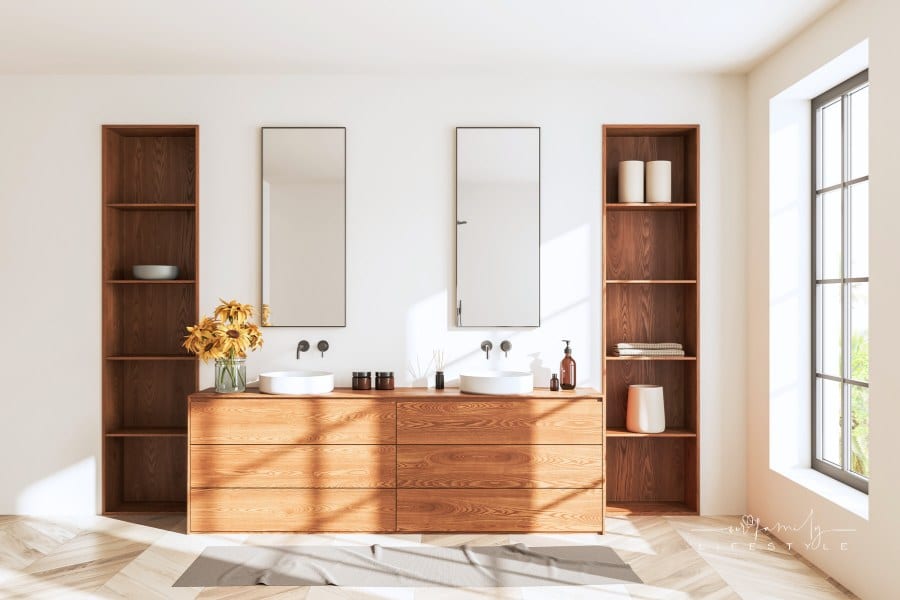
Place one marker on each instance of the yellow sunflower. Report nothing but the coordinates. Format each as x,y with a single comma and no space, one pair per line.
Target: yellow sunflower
227,335
199,335
233,340
212,350
233,312
254,335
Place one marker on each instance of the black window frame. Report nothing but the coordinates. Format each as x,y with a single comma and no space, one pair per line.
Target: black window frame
841,91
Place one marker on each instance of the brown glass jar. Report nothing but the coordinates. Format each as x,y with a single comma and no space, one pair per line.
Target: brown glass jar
554,383
384,380
362,380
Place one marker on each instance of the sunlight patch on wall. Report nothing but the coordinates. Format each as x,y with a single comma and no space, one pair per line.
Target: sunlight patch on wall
565,271
426,326
62,493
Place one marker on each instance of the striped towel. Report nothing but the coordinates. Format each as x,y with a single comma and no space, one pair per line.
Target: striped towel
647,352
649,346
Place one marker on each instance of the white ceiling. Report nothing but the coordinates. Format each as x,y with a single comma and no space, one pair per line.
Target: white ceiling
394,36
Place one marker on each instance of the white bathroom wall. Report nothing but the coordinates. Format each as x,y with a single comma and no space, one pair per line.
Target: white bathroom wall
852,538
400,227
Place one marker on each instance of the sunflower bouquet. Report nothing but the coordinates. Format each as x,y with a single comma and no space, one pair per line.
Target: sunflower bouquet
226,337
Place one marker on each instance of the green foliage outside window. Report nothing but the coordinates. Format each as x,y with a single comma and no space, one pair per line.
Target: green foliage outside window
859,407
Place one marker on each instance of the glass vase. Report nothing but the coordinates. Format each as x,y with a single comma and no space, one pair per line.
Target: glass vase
231,375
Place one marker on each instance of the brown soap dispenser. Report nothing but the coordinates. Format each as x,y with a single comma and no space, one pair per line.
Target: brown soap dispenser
567,369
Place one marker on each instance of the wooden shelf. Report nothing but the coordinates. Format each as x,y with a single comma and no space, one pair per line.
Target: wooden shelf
651,358
149,206
621,509
131,507
152,206
651,281
151,357
621,432
645,130
648,206
148,432
651,294
151,281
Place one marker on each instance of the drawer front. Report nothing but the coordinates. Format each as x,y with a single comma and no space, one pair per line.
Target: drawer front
311,466
500,422
291,510
499,510
489,466
292,421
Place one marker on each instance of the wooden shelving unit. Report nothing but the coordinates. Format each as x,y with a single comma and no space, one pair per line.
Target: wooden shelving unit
150,197
651,294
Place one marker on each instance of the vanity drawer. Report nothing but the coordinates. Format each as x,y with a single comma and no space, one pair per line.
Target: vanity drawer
482,421
499,510
311,466
292,421
291,510
494,466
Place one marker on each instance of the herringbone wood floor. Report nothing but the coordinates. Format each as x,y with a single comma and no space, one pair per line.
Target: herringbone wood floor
677,557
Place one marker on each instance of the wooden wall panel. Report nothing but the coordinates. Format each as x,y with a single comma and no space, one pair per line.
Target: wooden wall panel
160,169
154,470
155,237
484,421
648,244
651,313
320,466
153,392
151,319
671,375
499,510
645,469
646,147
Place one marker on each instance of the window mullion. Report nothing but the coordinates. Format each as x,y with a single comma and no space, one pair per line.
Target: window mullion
845,285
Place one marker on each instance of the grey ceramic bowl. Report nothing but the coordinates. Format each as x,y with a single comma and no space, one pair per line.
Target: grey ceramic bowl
154,271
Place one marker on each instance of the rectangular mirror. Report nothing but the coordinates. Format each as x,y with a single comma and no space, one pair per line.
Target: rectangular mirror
498,226
304,282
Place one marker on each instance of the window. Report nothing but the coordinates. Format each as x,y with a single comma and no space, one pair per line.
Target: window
840,124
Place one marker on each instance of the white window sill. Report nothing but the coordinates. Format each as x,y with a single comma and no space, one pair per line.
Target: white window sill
834,491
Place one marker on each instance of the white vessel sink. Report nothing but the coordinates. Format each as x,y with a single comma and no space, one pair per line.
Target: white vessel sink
497,383
296,382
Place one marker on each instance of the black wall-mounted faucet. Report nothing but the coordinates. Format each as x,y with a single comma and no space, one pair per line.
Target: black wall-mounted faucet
486,347
322,347
506,346
302,346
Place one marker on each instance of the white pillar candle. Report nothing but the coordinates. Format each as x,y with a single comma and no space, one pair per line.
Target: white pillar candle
659,181
646,409
631,181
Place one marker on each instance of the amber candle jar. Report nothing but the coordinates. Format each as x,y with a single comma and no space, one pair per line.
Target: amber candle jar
384,380
362,380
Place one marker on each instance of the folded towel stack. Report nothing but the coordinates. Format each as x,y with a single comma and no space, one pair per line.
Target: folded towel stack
648,349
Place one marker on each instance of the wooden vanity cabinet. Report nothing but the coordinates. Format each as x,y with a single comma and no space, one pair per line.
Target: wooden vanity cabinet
410,460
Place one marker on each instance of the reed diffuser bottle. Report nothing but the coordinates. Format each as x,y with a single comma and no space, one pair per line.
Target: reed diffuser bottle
438,369
567,369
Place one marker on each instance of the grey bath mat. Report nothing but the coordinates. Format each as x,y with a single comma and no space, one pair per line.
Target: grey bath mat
407,566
